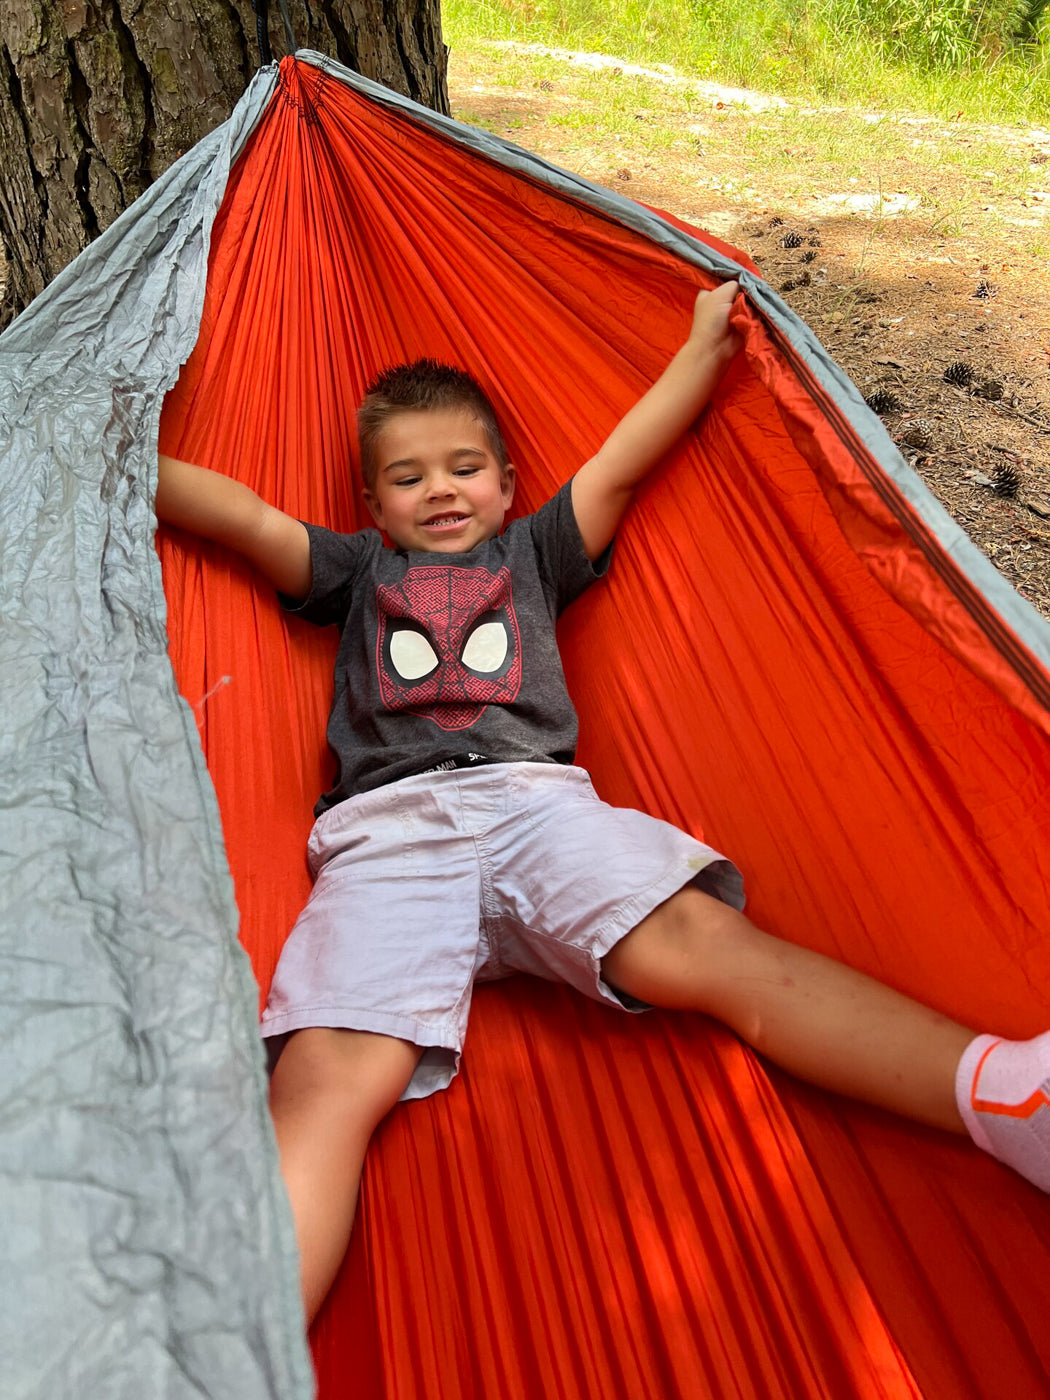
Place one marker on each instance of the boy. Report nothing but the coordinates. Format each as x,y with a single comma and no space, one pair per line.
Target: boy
459,842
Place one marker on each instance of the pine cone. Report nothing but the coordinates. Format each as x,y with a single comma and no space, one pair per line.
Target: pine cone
1007,479
919,434
985,289
776,221
959,372
792,240
991,389
808,255
882,401
815,243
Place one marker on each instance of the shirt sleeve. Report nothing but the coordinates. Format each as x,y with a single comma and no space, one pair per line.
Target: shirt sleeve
564,567
337,561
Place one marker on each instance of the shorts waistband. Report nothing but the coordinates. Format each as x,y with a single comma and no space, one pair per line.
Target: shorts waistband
459,760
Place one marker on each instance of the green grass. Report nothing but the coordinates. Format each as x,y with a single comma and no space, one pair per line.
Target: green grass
820,51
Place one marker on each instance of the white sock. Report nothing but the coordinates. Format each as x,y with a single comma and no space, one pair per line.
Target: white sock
1002,1088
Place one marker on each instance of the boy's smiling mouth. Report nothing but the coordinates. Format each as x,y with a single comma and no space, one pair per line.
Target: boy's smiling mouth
444,521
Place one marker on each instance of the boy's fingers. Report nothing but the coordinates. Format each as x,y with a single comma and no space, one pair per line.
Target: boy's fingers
726,292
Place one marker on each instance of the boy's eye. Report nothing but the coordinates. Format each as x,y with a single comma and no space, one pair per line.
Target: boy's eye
467,471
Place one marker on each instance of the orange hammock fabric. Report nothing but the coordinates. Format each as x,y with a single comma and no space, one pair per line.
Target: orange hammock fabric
784,658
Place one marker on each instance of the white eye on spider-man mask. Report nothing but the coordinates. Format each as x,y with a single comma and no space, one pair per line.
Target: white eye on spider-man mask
448,643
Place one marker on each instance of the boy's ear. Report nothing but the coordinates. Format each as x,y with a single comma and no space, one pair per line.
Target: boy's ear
508,479
375,509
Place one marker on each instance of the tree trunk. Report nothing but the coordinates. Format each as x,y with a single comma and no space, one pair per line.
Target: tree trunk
98,97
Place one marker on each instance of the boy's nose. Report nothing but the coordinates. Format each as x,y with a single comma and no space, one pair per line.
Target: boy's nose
441,486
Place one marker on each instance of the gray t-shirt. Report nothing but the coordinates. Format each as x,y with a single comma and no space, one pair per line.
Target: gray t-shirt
448,657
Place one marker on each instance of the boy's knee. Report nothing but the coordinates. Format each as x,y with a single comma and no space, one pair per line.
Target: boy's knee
691,919
677,945
369,1072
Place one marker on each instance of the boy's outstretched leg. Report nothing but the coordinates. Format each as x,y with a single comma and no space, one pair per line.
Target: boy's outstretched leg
839,1029
328,1093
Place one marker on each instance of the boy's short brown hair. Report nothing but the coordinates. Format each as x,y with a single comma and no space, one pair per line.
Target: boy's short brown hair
421,387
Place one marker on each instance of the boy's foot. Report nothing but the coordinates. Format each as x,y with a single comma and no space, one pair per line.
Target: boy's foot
1002,1088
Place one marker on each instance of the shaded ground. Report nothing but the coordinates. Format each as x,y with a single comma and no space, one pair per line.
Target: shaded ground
918,245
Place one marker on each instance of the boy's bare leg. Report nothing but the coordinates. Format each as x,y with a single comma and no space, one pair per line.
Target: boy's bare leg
817,1018
328,1093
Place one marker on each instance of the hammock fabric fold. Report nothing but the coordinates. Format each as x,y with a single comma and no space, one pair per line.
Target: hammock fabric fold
788,656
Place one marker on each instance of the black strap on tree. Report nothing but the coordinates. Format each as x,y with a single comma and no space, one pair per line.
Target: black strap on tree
262,30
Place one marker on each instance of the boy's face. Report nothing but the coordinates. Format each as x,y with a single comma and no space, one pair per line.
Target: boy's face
438,486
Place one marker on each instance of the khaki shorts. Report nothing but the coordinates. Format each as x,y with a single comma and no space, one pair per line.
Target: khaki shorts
431,884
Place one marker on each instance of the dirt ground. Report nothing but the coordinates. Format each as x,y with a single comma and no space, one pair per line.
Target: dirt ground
902,278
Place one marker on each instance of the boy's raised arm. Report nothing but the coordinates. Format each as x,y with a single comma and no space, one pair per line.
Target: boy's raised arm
603,487
220,509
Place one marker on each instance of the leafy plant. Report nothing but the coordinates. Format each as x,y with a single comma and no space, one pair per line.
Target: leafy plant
989,59
936,33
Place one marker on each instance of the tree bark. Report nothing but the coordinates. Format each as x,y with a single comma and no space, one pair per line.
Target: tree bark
98,97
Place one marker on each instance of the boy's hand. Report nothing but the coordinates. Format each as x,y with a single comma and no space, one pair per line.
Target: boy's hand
711,329
603,487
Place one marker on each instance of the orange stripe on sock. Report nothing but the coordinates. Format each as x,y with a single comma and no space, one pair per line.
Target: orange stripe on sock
977,1074
1040,1099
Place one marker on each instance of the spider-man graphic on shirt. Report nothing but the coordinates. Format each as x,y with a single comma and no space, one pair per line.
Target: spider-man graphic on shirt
448,643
